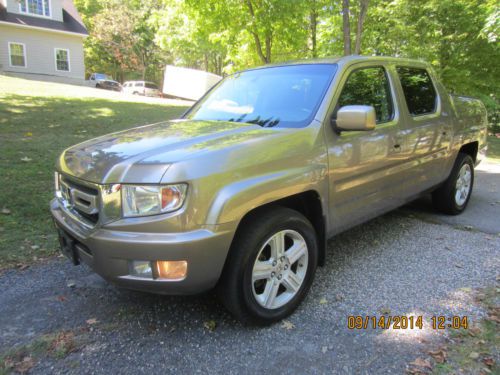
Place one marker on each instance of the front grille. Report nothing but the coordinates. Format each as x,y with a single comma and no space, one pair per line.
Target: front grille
78,185
83,198
94,218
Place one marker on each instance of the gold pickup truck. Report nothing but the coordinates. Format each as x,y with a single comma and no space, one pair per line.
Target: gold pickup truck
244,190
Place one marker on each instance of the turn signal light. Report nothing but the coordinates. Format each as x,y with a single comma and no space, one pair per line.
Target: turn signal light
171,270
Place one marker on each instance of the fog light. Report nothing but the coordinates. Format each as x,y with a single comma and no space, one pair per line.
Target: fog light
171,270
141,268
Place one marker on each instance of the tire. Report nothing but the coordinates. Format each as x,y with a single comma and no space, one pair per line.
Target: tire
287,278
452,197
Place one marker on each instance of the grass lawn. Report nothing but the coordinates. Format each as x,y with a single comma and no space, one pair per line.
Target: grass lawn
38,120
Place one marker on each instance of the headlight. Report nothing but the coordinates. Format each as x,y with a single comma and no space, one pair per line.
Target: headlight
152,199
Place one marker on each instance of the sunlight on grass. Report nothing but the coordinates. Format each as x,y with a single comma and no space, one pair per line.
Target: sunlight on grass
102,112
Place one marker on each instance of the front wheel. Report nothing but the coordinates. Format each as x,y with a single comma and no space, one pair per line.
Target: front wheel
270,267
452,197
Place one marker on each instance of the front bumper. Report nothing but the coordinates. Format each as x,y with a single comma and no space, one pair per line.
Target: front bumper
108,253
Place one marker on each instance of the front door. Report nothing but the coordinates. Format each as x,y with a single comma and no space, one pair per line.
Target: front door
365,167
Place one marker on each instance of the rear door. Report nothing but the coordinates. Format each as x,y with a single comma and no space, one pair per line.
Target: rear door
427,127
365,166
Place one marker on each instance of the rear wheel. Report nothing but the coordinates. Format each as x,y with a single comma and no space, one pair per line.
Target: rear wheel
271,266
452,197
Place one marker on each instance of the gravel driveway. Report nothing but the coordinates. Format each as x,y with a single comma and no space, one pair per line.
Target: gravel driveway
411,261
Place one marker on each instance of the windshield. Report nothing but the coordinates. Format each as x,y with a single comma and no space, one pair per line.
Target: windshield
284,96
101,76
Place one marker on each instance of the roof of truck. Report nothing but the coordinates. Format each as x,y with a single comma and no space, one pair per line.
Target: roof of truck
347,60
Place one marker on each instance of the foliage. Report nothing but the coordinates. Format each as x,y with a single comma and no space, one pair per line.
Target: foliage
459,37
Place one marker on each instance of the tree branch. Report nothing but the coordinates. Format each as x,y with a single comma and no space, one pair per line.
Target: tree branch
361,20
346,27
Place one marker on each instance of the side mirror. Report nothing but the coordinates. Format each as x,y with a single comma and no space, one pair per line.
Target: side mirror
355,117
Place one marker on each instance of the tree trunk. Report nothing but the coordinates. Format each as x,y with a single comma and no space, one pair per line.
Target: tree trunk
205,55
144,65
313,25
346,27
269,46
265,58
361,19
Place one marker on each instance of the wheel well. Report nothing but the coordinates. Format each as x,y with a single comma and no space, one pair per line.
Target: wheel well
470,149
308,204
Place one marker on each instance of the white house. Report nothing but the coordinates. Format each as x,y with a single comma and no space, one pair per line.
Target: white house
42,39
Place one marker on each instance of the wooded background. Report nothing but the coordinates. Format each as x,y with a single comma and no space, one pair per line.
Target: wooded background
132,39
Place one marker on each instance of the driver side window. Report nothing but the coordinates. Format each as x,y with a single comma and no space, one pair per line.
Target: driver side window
369,86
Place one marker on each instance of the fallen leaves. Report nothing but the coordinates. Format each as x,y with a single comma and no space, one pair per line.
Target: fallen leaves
419,366
494,315
71,284
22,266
287,325
385,311
91,321
439,355
474,355
63,343
489,361
474,331
323,301
210,325
420,362
26,159
23,366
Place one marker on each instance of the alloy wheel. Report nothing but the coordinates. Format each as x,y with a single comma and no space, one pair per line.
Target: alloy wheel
280,269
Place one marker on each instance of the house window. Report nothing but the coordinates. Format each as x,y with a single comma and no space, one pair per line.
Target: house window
35,7
17,53
62,59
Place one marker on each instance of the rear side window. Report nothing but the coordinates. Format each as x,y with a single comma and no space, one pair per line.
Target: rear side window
418,89
369,86
151,86
139,84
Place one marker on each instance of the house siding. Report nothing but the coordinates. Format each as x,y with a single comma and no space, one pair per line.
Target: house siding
40,55
56,8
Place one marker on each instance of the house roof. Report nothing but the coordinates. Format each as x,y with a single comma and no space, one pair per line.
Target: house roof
72,22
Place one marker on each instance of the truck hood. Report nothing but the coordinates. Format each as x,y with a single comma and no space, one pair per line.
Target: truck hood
143,154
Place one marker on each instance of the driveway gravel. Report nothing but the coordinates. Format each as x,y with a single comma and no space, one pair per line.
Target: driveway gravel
408,262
